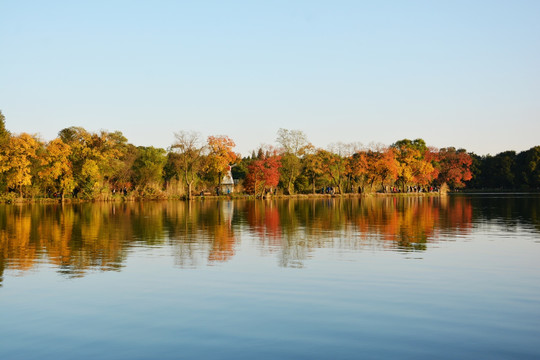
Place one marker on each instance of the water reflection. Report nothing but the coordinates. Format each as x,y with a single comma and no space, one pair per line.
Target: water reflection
82,237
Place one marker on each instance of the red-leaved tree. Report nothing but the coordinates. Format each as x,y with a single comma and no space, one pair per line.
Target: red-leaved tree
263,175
455,167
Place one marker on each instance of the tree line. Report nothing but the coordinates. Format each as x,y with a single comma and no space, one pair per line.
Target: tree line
104,165
507,170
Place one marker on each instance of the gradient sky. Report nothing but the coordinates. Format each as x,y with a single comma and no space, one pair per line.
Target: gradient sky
455,73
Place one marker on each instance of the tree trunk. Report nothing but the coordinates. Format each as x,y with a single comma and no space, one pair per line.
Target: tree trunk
339,188
188,183
189,191
289,186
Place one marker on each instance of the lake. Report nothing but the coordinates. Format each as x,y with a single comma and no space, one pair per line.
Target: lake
454,277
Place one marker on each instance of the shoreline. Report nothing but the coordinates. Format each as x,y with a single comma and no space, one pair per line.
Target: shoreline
212,197
13,201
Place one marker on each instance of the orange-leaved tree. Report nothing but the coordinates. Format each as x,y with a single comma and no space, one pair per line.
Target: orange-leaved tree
220,156
455,167
383,167
425,169
357,169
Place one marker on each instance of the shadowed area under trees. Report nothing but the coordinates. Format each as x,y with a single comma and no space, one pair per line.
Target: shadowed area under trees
103,165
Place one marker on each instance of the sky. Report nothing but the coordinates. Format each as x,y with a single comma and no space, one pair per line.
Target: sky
454,73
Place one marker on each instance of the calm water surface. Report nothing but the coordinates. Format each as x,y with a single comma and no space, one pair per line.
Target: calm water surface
421,278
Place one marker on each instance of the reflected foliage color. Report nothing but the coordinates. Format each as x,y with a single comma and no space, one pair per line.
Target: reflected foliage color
78,238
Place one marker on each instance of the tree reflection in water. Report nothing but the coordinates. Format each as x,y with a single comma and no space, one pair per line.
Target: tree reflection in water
77,238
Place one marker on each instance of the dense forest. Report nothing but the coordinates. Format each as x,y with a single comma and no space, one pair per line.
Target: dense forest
103,166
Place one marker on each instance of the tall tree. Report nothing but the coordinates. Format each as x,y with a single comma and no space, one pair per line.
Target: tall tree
57,169
528,163
357,169
101,161
410,155
263,175
4,143
189,150
115,152
333,165
455,167
85,158
19,154
293,141
4,133
382,167
425,169
148,168
294,145
499,171
313,167
220,156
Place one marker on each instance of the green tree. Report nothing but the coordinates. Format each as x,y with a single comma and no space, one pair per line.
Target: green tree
101,161
84,158
476,181
333,165
528,168
5,135
148,168
313,168
500,170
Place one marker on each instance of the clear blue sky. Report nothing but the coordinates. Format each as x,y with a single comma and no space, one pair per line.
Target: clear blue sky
455,73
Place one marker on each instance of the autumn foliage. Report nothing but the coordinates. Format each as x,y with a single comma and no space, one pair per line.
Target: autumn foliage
80,238
102,165
455,167
263,175
220,156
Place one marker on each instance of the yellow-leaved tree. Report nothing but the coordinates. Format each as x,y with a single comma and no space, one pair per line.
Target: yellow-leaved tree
57,170
17,161
220,156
